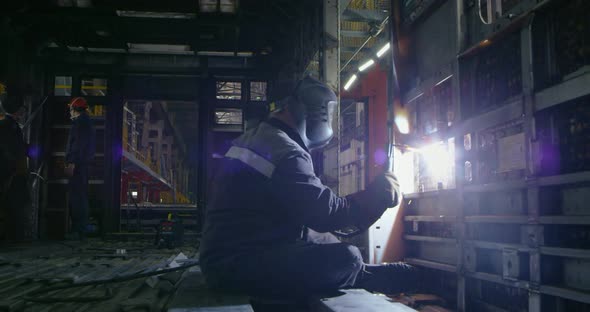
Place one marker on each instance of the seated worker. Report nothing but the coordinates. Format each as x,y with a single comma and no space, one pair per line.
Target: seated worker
267,224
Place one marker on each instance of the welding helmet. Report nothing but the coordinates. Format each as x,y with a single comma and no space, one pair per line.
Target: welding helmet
312,106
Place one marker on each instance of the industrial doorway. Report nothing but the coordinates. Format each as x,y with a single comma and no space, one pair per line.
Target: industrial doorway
158,165
155,169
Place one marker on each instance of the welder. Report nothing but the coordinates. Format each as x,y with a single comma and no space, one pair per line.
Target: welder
79,153
14,194
268,225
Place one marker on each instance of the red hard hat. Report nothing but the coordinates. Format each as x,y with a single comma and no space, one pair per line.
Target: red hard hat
79,103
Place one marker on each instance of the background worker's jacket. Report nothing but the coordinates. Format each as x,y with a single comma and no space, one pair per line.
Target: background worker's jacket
81,141
14,193
265,194
13,153
80,151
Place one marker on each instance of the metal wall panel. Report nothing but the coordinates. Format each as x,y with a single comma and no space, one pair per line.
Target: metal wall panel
434,42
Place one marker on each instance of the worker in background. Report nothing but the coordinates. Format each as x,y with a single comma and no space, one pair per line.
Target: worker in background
14,193
267,227
79,153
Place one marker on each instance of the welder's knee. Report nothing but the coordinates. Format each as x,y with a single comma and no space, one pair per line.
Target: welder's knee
347,264
351,255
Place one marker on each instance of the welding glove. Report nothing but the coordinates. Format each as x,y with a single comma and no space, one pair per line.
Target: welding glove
371,203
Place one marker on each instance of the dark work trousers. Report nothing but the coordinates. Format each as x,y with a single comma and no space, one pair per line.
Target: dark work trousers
78,199
13,200
297,270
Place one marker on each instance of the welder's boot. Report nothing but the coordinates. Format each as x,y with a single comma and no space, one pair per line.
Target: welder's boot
389,278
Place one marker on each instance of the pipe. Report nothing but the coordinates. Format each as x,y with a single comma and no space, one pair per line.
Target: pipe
34,114
393,89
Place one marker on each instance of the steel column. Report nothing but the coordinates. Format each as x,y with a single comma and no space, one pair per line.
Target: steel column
113,151
330,64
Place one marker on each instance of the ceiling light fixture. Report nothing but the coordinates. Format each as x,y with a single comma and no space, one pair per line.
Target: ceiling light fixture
107,50
159,48
368,64
225,53
147,14
350,82
384,49
445,79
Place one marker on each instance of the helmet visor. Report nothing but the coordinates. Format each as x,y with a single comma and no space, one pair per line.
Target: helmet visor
319,125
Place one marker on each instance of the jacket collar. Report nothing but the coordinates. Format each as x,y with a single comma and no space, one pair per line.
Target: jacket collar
294,135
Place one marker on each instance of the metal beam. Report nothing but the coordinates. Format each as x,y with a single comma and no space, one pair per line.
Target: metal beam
351,49
152,61
367,16
103,28
330,65
343,5
354,33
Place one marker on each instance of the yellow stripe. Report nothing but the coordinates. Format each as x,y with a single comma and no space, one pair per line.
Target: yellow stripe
94,87
63,86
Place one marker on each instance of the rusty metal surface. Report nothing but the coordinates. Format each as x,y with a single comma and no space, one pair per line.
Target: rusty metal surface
27,268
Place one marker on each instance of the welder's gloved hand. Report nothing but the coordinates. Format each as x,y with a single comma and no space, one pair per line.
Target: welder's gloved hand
386,188
381,194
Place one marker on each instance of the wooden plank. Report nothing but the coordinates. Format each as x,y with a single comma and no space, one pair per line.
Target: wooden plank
354,300
193,295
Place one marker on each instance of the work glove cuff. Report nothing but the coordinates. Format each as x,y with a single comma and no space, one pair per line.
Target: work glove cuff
369,205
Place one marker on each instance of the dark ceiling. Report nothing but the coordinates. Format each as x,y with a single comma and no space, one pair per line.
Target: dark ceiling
262,31
242,38
180,39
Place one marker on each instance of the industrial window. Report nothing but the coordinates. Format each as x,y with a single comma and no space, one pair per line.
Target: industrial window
257,91
228,6
94,87
229,90
223,6
63,86
228,116
97,111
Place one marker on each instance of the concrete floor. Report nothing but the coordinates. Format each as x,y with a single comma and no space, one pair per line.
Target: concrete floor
25,268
